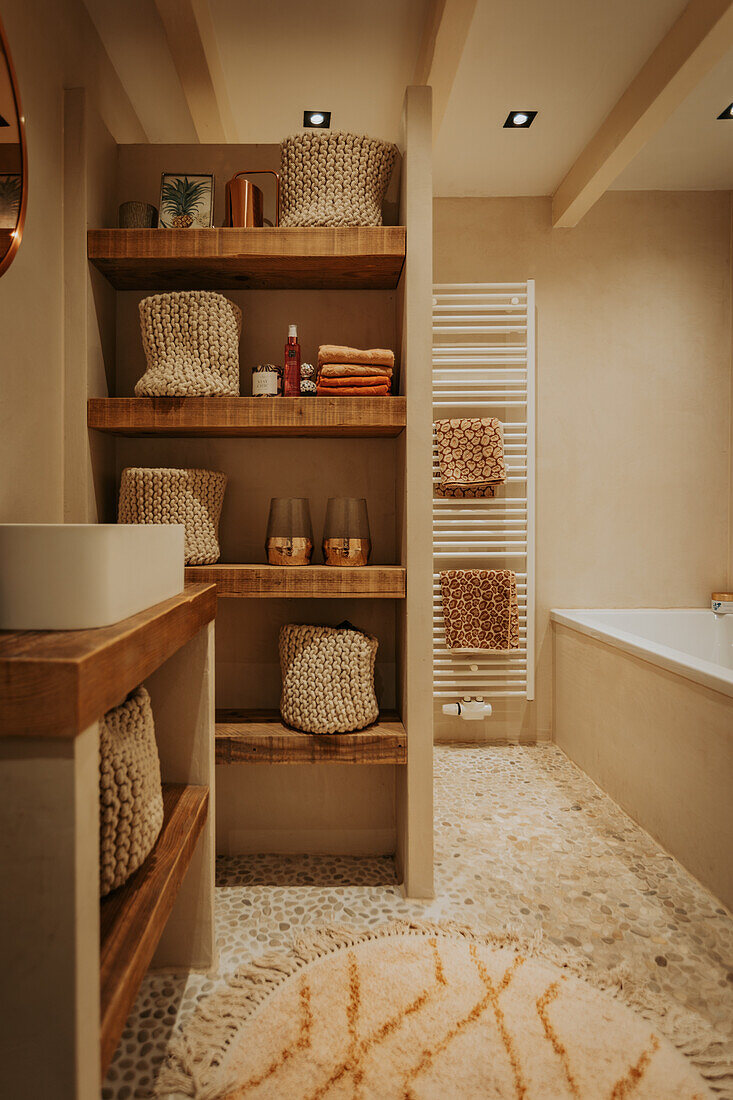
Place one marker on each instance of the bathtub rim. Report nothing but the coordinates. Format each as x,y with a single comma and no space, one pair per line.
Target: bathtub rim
706,673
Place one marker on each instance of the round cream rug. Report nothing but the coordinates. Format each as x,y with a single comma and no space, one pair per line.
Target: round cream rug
430,1013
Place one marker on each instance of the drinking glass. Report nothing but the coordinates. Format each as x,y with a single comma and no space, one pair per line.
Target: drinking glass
289,531
346,537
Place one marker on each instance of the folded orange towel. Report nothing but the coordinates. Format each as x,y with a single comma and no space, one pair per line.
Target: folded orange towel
353,391
353,370
480,609
353,380
372,357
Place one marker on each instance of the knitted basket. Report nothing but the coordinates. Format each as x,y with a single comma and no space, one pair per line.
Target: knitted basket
333,178
191,497
191,344
130,793
328,679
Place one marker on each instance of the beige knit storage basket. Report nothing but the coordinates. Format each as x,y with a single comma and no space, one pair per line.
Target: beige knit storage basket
130,792
328,678
191,497
191,344
333,178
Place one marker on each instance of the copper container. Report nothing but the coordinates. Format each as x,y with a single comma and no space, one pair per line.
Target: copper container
346,551
296,551
244,202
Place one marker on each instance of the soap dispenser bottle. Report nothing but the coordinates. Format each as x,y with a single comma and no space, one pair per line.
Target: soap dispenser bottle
291,380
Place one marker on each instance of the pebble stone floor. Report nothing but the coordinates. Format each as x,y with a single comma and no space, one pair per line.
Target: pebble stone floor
522,838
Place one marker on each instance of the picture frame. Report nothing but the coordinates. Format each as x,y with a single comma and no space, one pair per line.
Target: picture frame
11,192
186,200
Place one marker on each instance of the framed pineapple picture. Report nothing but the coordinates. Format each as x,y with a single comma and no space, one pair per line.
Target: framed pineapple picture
10,196
186,201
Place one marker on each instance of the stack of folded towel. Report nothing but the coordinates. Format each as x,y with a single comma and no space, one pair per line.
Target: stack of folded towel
480,609
351,372
470,455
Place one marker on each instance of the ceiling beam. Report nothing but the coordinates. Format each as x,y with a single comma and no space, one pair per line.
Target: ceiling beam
189,29
702,35
441,49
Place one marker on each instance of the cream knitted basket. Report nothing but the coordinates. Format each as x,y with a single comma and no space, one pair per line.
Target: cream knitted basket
333,178
328,678
191,497
130,792
191,344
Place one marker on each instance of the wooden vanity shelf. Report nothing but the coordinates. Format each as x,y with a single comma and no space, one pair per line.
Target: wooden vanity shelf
259,737
345,258
55,683
385,582
55,688
297,417
133,917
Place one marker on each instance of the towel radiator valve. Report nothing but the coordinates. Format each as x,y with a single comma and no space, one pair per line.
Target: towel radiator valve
470,710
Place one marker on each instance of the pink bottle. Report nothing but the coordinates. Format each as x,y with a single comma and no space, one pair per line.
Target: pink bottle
291,380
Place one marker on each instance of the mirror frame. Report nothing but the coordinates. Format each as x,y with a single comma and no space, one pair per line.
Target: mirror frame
7,259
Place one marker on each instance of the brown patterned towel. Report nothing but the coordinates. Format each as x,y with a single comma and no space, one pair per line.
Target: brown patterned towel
480,609
372,357
471,456
353,370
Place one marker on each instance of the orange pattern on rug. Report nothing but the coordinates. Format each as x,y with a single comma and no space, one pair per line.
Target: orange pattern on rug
425,1017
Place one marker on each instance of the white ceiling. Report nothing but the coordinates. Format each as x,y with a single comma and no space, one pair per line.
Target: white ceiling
283,57
694,149
569,59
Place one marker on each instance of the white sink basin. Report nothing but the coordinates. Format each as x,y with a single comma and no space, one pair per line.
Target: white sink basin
74,576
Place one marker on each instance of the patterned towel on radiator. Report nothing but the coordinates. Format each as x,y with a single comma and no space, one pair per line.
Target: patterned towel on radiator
471,456
480,609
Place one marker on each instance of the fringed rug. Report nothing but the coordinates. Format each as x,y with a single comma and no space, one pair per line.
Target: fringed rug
436,1012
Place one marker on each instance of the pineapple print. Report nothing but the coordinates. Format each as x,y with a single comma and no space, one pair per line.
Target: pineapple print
181,199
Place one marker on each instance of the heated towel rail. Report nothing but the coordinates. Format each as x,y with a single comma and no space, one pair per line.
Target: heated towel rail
484,365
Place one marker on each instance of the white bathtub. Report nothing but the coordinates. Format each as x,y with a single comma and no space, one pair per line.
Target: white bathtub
693,642
643,702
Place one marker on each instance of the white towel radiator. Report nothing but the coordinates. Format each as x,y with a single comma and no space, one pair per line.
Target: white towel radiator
484,365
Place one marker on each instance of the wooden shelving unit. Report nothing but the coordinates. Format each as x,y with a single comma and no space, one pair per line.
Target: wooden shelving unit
366,258
299,417
259,737
133,917
375,582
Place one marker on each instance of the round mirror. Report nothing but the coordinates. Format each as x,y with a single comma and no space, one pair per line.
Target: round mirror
13,160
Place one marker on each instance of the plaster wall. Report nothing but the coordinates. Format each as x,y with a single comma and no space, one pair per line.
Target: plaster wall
54,47
633,385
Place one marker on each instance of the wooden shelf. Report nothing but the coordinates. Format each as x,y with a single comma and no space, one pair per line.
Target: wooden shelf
133,917
364,258
55,683
259,737
331,417
386,582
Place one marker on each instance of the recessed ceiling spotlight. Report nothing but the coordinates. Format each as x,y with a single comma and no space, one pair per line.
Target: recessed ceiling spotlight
727,113
319,120
519,120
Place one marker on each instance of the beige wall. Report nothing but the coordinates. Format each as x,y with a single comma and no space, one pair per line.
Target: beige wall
634,382
54,47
